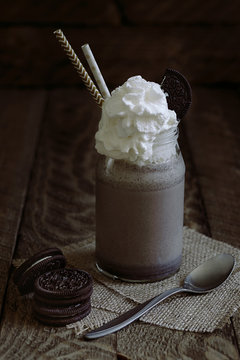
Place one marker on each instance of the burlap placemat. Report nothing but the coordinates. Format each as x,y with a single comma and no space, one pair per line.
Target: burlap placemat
201,313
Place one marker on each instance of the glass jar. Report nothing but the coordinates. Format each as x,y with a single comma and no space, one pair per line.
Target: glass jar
139,214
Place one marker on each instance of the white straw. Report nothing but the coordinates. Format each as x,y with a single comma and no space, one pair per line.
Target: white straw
95,70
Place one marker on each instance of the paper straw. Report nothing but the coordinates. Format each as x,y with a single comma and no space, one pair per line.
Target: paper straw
95,70
79,67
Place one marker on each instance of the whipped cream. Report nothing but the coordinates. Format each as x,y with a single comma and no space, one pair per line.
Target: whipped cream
135,119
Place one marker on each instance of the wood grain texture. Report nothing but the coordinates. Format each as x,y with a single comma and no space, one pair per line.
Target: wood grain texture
33,57
189,12
195,215
20,114
213,135
60,208
65,12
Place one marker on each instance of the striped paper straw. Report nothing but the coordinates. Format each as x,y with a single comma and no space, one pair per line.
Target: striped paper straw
95,70
79,67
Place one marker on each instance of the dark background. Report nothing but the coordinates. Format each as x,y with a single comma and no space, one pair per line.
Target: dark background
198,38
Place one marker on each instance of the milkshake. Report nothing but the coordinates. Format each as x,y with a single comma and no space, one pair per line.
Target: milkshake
139,184
140,172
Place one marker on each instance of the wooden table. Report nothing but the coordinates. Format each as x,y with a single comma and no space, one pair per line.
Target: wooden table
47,157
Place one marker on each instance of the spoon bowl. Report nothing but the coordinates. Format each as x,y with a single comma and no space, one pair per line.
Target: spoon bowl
206,277
210,274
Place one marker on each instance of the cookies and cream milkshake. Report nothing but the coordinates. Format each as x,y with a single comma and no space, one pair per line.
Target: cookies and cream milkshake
139,184
140,172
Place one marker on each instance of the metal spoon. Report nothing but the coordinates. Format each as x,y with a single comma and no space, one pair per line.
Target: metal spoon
203,279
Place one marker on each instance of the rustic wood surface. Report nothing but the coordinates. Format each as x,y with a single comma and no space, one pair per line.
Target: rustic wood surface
47,155
18,137
204,54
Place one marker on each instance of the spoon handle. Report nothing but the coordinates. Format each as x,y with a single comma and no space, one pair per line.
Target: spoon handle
131,315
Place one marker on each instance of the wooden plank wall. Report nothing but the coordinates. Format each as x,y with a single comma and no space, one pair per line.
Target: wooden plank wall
200,39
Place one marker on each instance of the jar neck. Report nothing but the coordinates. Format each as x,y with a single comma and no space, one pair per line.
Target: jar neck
164,148
169,136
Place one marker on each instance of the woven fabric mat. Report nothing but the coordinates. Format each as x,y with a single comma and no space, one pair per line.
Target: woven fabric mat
199,313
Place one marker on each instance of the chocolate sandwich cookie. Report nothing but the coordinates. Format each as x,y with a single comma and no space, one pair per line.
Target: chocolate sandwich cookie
62,296
61,321
58,316
179,92
63,284
86,294
60,311
37,265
